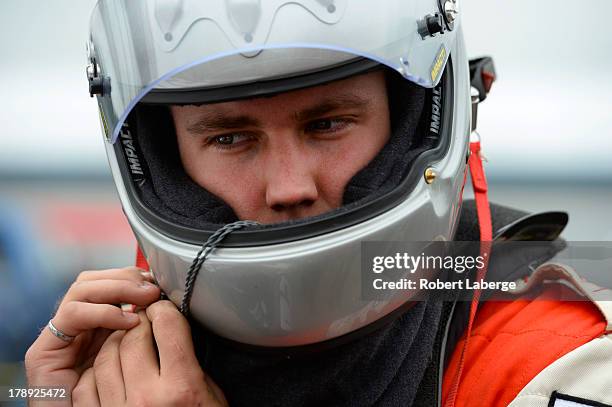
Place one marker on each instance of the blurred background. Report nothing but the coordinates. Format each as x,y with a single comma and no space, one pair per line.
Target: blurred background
546,131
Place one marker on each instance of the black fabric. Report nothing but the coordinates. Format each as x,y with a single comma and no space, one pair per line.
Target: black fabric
428,391
383,369
508,264
172,193
407,141
468,229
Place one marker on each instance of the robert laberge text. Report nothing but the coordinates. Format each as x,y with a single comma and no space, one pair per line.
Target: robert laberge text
425,284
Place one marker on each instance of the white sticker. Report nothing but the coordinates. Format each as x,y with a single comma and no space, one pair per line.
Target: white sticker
564,400
567,403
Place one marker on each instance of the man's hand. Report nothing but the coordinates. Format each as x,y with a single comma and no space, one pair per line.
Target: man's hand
126,371
87,313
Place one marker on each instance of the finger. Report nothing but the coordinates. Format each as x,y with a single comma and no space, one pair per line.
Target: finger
130,273
138,357
108,373
112,292
215,392
95,340
77,317
173,337
98,338
127,273
85,392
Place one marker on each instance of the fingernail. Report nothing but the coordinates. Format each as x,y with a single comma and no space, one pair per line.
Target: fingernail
128,307
147,275
131,317
147,285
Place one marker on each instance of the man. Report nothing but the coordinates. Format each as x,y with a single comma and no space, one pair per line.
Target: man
327,134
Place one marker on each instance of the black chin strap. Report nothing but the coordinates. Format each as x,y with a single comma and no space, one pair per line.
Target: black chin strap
203,254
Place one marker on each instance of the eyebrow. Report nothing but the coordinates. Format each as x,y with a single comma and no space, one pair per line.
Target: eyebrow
342,101
212,122
218,121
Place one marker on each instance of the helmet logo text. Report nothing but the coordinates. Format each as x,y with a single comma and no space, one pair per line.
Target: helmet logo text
130,151
436,108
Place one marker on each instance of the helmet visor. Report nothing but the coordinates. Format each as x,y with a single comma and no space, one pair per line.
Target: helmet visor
167,46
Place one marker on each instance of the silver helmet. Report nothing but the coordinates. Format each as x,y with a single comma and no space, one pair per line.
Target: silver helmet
291,283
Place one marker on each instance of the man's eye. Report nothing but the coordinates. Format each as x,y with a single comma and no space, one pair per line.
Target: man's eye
224,140
327,125
229,140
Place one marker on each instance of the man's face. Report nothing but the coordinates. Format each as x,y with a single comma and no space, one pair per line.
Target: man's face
287,156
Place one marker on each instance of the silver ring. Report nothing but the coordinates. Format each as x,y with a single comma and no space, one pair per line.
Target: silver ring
59,334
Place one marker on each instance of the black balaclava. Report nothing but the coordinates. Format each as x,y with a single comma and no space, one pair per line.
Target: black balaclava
383,368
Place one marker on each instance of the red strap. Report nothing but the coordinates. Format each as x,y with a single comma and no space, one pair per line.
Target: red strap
479,183
141,260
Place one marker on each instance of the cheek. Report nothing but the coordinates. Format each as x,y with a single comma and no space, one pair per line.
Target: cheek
345,159
232,180
334,176
239,195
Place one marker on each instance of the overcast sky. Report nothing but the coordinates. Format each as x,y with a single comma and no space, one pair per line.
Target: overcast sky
549,115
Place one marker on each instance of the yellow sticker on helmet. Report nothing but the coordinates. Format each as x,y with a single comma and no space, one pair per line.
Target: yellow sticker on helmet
103,120
436,68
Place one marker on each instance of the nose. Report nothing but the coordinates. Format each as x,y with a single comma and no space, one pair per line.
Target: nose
290,180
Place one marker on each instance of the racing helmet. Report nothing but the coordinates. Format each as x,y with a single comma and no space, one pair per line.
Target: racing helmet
299,282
